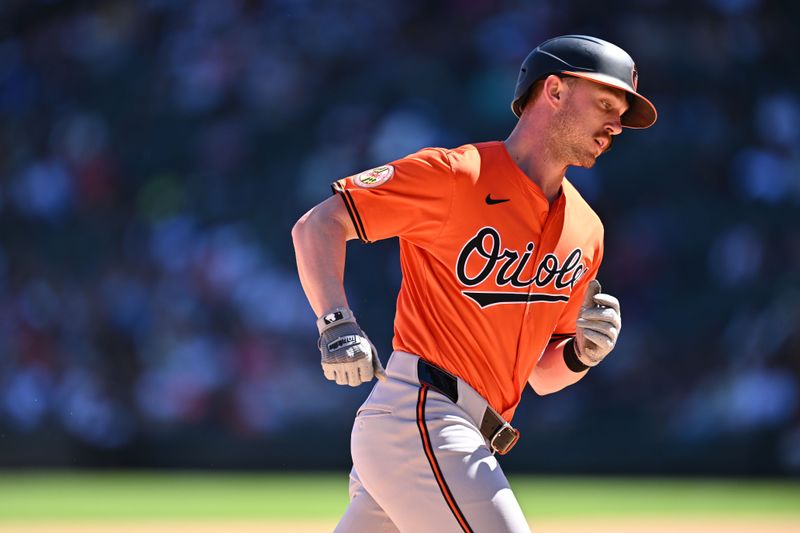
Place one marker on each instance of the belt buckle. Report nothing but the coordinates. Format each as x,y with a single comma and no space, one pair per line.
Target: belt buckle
505,439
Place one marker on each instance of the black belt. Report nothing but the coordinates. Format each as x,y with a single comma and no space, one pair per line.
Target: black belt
501,436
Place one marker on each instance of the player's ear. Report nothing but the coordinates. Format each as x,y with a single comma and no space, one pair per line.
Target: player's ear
553,90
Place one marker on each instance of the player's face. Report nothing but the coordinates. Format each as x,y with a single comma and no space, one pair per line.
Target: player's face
588,118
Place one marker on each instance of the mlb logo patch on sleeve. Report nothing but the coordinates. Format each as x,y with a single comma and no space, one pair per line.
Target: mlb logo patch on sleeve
375,177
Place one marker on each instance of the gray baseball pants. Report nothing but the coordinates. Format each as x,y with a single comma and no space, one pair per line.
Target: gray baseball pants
420,463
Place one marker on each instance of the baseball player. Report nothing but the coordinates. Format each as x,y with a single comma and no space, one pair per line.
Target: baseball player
499,255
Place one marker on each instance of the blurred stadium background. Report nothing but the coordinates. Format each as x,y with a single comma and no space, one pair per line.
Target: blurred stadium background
154,155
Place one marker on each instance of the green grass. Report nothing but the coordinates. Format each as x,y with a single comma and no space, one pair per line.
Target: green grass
563,497
202,496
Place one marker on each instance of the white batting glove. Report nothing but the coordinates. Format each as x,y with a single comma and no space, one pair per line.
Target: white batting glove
348,356
598,325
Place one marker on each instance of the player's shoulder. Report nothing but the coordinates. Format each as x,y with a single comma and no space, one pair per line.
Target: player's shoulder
452,159
432,156
466,159
473,150
580,208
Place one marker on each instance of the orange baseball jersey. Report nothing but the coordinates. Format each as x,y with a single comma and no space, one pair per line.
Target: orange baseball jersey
492,272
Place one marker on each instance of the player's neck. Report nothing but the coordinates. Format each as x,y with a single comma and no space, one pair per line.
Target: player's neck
533,156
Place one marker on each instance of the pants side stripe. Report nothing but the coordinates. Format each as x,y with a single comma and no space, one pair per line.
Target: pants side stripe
437,472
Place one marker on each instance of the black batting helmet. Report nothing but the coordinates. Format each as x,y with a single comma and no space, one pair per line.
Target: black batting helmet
592,59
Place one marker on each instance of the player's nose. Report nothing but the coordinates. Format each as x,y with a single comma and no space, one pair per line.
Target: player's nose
614,126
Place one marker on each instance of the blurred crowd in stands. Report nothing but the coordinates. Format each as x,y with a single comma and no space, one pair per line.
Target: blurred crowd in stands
154,155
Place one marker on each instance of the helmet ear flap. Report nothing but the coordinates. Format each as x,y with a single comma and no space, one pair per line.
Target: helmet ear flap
523,100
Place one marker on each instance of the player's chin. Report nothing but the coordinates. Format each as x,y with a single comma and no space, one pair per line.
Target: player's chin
582,156
585,161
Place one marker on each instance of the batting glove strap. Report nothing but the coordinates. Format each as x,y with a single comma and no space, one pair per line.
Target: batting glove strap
337,316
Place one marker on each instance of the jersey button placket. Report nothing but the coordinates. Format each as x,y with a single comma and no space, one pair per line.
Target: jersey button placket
545,221
541,221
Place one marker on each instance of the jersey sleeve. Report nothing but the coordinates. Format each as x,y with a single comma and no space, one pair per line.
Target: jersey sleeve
566,322
409,198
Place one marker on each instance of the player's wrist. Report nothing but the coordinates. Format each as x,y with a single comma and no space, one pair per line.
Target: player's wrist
333,317
571,358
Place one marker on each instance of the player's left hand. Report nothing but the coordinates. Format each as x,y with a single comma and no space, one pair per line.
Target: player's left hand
598,325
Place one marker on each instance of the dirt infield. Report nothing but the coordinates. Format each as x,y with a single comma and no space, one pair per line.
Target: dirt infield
603,525
667,525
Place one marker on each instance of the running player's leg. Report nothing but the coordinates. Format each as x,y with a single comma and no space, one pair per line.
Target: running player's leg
363,513
427,465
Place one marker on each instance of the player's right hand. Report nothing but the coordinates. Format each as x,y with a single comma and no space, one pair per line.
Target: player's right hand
348,356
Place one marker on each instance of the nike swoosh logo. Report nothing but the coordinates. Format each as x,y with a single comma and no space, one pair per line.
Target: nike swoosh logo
492,201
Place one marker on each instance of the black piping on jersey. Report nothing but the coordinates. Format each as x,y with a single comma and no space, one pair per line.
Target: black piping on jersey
485,299
351,210
438,475
556,337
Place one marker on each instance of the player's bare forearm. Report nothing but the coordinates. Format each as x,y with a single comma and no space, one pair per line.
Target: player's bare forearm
320,238
551,373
